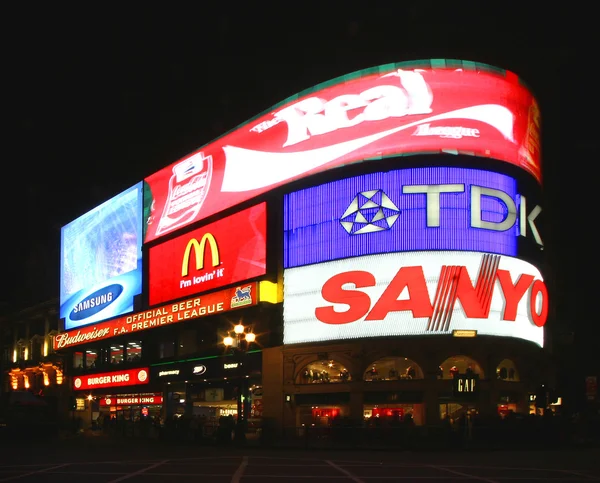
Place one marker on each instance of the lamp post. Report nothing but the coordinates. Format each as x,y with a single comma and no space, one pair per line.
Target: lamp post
90,399
240,343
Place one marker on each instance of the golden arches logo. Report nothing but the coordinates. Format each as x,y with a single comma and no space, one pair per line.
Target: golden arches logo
200,248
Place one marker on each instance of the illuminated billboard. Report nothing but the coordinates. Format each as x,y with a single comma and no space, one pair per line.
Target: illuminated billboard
127,377
244,295
433,208
414,293
227,251
150,399
101,260
425,106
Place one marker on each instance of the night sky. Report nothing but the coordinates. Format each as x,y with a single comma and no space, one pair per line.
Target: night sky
97,100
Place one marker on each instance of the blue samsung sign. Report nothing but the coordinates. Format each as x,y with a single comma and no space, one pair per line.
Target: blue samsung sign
97,301
433,208
101,260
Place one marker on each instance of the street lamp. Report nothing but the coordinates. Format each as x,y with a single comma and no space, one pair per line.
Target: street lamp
243,338
240,343
90,399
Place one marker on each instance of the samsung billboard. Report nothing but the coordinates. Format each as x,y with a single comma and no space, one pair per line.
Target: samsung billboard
433,208
101,260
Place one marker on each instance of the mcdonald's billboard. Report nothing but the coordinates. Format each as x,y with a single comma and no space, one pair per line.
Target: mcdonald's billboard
227,251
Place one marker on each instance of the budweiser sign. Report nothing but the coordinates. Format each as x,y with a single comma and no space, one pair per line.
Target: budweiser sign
388,111
415,293
210,304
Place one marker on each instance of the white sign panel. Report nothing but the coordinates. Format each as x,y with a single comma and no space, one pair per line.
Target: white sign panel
414,293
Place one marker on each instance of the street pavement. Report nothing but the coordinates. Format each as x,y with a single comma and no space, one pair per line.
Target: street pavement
86,461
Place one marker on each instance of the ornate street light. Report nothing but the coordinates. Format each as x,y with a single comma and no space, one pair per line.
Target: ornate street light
240,342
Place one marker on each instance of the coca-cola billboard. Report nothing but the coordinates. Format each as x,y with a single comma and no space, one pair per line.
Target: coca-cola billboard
387,111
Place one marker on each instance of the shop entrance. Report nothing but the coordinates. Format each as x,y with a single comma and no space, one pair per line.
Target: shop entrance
131,413
454,412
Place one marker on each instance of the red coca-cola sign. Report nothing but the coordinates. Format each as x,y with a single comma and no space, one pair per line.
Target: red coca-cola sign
391,110
132,400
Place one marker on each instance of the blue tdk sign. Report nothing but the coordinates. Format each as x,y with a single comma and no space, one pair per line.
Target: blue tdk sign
432,208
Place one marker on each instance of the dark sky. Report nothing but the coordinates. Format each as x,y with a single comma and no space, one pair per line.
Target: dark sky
97,100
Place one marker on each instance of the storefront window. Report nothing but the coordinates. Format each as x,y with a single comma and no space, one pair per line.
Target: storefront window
507,371
116,354
90,359
324,371
377,414
78,360
166,349
134,351
392,369
321,415
459,365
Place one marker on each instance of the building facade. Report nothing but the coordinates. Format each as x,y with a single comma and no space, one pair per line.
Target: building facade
29,362
369,250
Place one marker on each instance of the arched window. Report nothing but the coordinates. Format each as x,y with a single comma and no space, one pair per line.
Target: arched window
507,371
37,342
458,365
22,349
392,369
323,372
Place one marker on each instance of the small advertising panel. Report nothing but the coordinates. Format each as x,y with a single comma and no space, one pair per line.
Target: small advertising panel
433,208
414,293
128,377
228,251
151,399
465,386
244,295
425,106
208,368
101,260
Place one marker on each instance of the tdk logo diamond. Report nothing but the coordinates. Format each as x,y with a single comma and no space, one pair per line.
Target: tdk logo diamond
369,211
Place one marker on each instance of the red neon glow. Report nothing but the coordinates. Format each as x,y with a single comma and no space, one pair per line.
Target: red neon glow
325,413
372,114
228,251
129,377
387,413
